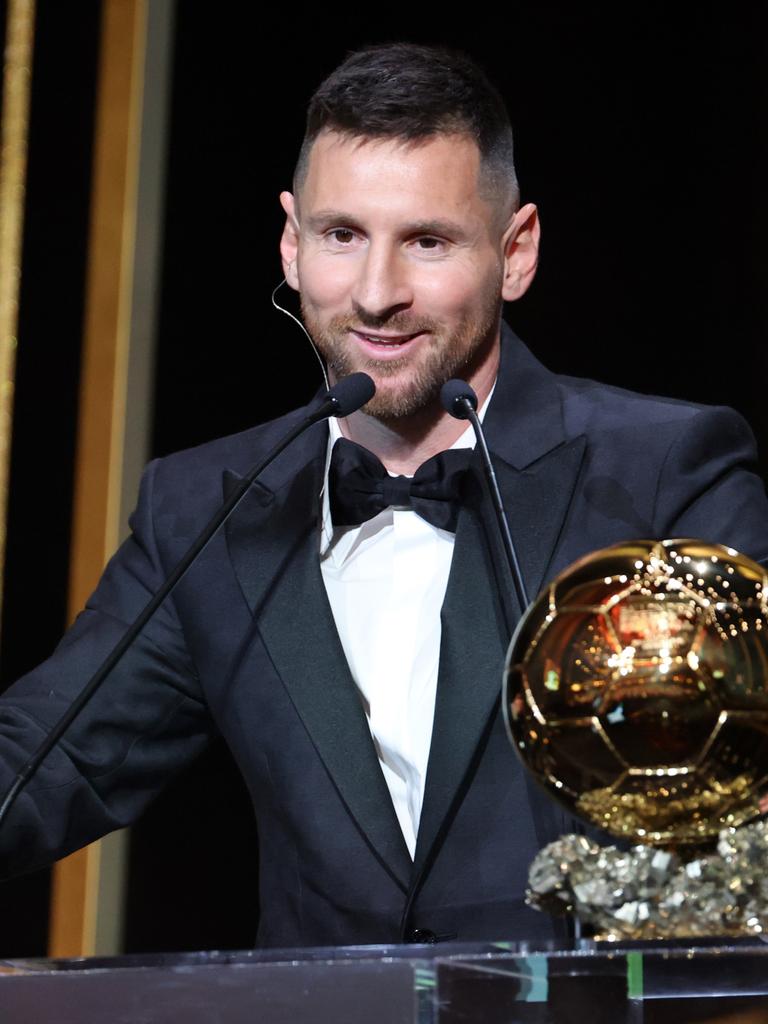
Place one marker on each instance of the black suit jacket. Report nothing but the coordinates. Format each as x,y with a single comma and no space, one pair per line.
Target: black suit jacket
247,647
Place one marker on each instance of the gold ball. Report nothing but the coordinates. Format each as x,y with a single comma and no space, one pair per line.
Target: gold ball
636,690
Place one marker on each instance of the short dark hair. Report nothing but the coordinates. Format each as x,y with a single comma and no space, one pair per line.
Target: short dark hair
410,92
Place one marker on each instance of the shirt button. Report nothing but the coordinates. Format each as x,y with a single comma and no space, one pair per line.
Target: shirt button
422,936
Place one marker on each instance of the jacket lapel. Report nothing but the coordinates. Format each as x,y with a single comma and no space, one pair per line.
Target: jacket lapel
537,470
472,645
273,540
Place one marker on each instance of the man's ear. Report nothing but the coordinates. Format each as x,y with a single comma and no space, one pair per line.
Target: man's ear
289,242
521,252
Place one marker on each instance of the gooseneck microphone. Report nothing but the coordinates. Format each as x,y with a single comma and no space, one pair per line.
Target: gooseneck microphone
460,400
342,399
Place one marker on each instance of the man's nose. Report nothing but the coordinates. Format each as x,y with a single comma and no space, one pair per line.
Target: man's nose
383,285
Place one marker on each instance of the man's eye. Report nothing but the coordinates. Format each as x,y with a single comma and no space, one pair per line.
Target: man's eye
342,235
429,243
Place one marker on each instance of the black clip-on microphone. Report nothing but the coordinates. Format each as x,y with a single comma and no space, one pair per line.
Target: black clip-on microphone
460,400
343,399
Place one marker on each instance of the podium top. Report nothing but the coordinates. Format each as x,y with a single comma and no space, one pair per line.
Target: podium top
437,984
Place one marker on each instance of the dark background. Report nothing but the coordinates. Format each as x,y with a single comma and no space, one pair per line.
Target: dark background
641,135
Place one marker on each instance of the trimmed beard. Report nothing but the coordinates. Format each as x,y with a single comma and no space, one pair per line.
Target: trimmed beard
444,358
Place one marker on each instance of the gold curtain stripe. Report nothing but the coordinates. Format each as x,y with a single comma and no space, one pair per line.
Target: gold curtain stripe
14,129
77,879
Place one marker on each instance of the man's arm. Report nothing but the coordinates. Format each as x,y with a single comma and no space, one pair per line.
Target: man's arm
147,720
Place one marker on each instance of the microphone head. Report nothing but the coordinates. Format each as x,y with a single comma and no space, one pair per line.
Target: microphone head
454,395
350,393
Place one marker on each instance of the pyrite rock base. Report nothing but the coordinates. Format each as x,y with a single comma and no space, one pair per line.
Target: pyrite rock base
648,893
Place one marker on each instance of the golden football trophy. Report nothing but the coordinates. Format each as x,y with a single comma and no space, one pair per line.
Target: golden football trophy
636,691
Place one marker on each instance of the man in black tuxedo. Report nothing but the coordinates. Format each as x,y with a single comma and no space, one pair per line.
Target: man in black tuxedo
353,665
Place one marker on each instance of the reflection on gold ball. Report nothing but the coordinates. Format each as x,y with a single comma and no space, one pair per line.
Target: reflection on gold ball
636,690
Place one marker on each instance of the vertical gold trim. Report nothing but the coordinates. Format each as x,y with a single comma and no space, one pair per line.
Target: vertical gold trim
14,127
101,431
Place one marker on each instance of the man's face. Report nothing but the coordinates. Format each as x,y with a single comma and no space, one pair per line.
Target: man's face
399,262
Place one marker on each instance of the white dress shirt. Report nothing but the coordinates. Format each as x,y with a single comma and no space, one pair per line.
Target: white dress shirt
386,580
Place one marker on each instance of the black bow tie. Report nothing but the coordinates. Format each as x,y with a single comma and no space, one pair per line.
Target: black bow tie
360,486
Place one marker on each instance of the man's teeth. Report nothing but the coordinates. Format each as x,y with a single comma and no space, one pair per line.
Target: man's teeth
386,341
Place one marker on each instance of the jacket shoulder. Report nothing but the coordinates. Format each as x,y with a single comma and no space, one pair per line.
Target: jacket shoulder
591,400
237,452
190,482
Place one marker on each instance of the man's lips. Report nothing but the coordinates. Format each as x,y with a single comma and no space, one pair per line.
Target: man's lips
385,344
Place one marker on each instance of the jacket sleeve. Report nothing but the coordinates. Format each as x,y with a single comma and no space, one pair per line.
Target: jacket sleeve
709,487
146,721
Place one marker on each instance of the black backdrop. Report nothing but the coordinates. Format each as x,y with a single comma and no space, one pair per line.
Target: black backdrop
640,134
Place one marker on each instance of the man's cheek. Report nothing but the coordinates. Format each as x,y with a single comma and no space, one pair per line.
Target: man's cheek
326,286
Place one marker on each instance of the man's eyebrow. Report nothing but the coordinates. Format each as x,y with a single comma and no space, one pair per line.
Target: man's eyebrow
324,219
438,226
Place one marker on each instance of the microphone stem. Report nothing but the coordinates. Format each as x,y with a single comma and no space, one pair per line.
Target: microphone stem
493,486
